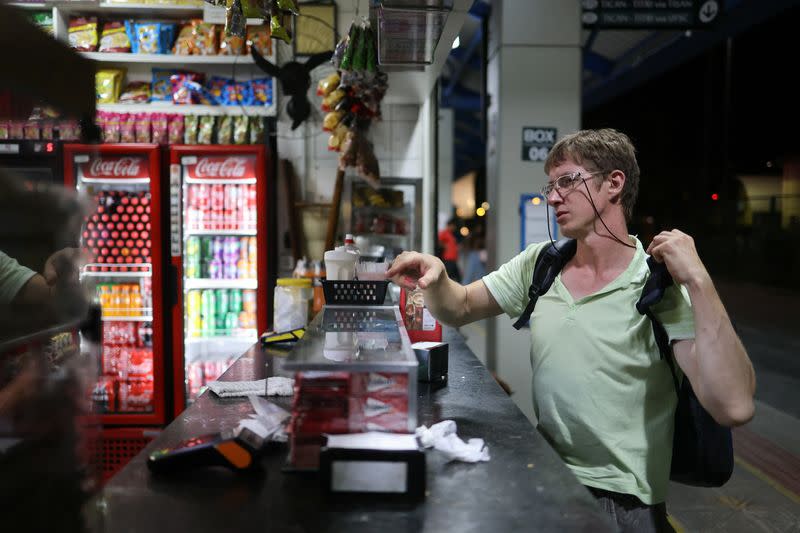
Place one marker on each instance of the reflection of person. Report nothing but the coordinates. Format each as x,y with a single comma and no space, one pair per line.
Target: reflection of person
603,397
20,285
449,244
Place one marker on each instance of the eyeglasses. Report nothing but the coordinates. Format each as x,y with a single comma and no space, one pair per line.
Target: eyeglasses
567,181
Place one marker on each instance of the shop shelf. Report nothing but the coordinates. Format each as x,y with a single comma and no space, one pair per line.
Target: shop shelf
143,270
194,109
220,232
167,59
135,318
203,283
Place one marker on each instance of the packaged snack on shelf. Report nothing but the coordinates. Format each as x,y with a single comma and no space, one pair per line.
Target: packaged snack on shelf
258,37
196,38
5,130
190,126
205,130
142,126
257,130
148,36
16,129
166,37
48,130
127,128
216,85
69,130
240,129
83,34
200,95
225,130
230,45
107,85
237,93
261,90
158,128
181,92
44,21
31,130
111,128
162,86
114,38
130,31
175,129
136,92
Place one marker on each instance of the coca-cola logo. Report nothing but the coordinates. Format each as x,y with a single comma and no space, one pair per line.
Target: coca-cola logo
228,167
121,167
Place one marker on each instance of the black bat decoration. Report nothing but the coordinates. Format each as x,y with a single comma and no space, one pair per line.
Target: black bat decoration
295,81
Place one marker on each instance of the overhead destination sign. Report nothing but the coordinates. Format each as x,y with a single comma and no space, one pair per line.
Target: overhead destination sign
650,14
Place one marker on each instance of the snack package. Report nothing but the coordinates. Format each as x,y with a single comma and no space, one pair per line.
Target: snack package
258,37
48,130
257,130
69,130
127,128
216,86
114,38
107,85
277,31
142,126
44,21
5,130
328,84
231,45
158,128
237,93
225,130
240,129
130,31
16,129
330,102
83,34
137,92
200,95
31,130
148,36
111,128
176,125
190,126
162,86
236,18
261,91
287,5
205,130
181,91
196,38
166,37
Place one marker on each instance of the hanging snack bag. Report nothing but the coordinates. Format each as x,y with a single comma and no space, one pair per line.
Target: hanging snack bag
190,126
225,130
176,125
257,130
148,35
240,129
162,86
114,38
236,18
261,91
127,128
205,131
158,128
83,34
258,37
329,102
142,126
137,92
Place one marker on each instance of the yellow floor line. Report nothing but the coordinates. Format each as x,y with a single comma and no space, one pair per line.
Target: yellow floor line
677,526
766,479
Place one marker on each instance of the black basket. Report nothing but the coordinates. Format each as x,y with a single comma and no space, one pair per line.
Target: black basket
354,292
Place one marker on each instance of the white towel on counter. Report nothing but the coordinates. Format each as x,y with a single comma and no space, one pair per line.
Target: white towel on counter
443,437
274,386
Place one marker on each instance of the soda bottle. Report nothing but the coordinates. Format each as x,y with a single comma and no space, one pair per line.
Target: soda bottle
249,300
192,209
136,301
235,301
250,215
231,192
217,206
209,321
221,309
252,253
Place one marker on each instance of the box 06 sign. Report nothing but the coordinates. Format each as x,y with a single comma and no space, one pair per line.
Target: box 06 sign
536,143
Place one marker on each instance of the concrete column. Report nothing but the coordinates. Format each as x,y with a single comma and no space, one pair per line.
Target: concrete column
534,79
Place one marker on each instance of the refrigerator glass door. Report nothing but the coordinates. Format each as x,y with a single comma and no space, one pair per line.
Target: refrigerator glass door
117,235
220,244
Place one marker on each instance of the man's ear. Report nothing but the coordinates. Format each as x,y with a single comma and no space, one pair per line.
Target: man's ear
616,182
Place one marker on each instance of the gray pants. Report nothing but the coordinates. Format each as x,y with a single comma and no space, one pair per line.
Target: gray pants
631,515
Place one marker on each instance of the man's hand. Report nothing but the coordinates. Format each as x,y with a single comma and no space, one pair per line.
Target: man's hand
63,267
410,269
676,249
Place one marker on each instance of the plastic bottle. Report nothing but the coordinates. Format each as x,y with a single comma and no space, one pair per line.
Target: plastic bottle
350,244
136,301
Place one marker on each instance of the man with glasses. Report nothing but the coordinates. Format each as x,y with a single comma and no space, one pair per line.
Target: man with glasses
602,395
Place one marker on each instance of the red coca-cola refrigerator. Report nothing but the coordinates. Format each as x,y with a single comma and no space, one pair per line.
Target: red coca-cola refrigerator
122,235
218,241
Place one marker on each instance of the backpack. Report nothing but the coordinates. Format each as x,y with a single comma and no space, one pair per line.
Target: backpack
702,449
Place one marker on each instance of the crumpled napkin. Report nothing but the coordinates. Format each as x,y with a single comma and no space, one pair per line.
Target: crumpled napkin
443,437
267,421
274,386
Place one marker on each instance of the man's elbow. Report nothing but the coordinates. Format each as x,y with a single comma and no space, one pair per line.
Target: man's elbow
737,414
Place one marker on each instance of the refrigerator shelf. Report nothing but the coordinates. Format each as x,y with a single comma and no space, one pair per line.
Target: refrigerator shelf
116,181
223,181
244,335
136,318
205,283
221,232
141,270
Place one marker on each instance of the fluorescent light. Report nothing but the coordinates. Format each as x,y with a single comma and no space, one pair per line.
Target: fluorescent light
456,43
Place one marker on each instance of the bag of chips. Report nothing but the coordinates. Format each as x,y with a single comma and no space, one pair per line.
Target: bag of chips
137,92
111,128
83,34
196,38
190,126
162,86
225,130
127,128
328,84
158,128
240,129
142,125
205,130
107,85
261,91
258,37
257,130
176,126
166,37
114,38
231,45
148,37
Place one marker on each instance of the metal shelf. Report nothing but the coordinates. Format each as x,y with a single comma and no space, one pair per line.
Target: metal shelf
190,109
167,59
204,283
221,232
232,181
127,319
117,271
251,335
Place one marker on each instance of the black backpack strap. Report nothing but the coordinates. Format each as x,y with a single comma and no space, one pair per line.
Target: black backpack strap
549,263
652,293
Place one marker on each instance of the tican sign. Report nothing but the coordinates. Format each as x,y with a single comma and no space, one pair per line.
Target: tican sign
536,142
650,14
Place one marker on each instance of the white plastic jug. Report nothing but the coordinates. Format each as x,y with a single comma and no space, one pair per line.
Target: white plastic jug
340,264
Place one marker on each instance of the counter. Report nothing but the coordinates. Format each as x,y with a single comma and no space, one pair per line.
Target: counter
525,486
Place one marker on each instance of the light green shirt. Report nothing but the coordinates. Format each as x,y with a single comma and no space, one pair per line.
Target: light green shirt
13,277
603,397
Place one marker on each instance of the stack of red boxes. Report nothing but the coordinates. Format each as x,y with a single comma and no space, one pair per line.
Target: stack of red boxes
343,402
